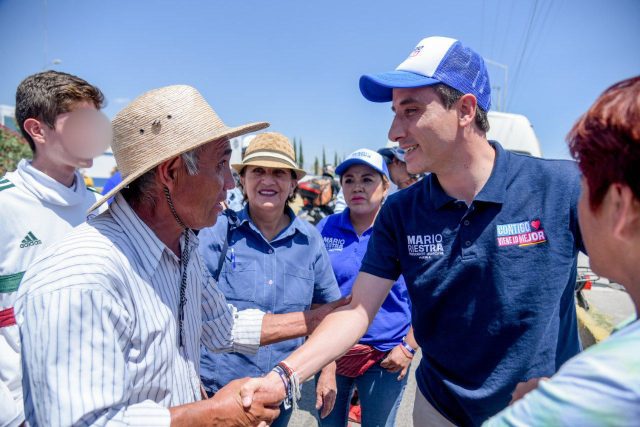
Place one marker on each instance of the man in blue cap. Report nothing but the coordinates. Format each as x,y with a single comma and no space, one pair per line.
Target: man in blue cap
487,244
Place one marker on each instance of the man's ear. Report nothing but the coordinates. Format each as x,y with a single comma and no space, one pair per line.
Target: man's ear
626,211
35,129
467,105
168,172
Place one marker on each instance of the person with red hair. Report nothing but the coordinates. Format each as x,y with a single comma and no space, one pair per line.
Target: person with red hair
601,386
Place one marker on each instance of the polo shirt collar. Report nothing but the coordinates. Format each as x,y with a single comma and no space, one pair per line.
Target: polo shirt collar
496,186
344,221
145,244
494,189
439,197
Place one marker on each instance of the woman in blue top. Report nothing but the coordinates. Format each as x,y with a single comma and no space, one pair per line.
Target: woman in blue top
378,364
272,261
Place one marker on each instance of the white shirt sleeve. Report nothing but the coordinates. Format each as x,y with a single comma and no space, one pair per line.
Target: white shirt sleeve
74,345
224,328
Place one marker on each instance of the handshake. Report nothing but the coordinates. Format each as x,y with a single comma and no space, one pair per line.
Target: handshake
256,401
242,402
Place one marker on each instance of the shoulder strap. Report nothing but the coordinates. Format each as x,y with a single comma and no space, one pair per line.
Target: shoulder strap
232,220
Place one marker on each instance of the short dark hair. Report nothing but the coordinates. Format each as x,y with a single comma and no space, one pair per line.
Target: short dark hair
606,141
450,96
46,95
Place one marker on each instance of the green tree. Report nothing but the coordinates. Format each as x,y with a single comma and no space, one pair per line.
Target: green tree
295,150
335,158
301,157
324,157
13,148
316,166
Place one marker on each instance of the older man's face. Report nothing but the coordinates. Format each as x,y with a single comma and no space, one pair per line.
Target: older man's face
198,198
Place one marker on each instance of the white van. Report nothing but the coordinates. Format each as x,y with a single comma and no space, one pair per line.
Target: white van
514,132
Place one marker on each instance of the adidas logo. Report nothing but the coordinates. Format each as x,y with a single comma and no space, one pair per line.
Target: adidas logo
30,240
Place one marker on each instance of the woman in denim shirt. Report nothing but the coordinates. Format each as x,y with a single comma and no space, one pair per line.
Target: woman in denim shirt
273,262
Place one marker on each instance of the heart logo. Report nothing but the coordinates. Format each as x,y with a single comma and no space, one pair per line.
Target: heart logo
535,224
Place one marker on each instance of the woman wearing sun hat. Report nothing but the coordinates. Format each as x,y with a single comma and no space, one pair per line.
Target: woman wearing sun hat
266,258
378,364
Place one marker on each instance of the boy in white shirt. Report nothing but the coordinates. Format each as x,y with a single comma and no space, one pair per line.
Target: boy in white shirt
44,198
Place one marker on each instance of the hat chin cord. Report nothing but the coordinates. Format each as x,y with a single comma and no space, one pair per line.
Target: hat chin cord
184,263
173,209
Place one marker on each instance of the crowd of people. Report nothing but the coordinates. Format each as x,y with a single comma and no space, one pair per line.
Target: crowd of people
164,308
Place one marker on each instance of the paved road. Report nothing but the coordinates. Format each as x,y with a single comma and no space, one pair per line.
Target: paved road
609,301
610,304
304,416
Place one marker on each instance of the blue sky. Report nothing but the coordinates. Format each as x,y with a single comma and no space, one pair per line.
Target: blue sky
296,64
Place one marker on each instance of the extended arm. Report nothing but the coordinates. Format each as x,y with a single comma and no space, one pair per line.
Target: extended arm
280,327
340,330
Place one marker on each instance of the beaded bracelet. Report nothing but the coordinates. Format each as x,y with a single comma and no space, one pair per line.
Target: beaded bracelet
294,381
285,382
291,383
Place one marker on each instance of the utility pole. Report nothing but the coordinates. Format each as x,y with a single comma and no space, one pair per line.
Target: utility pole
502,95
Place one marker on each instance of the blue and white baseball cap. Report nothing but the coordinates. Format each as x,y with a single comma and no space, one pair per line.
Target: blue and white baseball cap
366,157
434,60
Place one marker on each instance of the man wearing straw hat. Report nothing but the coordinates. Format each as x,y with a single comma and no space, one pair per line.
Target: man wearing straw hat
113,316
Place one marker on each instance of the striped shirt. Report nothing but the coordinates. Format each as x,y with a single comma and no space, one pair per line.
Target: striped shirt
598,387
98,320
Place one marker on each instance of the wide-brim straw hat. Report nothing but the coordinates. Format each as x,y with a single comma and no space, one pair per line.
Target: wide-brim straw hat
162,124
270,150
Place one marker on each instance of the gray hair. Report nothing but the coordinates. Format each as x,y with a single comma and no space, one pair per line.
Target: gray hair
141,190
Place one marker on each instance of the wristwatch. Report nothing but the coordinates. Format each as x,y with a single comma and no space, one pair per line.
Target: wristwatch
407,346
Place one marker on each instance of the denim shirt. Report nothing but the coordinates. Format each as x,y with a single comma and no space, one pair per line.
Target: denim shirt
287,274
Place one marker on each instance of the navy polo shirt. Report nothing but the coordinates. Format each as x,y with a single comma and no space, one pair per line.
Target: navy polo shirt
346,250
286,274
492,284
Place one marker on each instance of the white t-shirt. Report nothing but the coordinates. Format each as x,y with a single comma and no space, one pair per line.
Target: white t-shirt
36,211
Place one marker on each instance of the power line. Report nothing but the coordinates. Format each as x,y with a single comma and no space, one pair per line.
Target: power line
527,37
535,33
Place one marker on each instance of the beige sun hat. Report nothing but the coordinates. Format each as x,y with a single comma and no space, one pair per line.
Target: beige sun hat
270,150
162,124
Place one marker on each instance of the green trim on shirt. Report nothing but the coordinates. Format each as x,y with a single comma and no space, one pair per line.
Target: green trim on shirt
10,283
